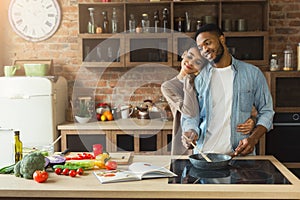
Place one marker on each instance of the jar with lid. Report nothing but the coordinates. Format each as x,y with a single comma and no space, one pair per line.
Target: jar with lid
145,23
131,24
91,23
288,58
274,62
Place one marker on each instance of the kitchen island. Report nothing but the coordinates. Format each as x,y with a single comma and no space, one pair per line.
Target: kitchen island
141,136
88,187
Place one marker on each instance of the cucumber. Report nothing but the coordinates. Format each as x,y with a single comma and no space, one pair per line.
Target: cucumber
8,169
76,165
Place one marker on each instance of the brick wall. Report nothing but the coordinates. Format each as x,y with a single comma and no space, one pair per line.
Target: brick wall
284,26
118,85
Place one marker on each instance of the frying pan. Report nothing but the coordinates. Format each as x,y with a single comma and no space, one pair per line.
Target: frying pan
219,161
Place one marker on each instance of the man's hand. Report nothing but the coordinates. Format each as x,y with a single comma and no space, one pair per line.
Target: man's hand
245,146
192,137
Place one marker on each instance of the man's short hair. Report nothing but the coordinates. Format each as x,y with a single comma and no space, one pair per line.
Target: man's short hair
212,28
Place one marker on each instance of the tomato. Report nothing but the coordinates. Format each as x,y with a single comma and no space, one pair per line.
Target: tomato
58,171
79,171
72,173
111,165
40,176
66,171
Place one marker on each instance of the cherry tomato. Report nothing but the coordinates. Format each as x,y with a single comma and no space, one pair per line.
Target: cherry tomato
111,165
40,176
58,171
66,171
72,173
79,171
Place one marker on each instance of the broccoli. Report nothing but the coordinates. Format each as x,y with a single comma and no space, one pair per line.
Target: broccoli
29,164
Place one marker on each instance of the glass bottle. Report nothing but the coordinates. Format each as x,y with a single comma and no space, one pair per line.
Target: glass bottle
145,23
18,147
165,20
114,21
91,23
131,24
288,58
187,22
105,22
156,21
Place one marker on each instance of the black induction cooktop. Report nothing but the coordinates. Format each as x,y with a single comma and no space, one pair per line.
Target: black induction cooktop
237,172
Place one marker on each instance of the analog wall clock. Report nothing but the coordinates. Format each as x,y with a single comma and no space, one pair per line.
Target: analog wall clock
34,20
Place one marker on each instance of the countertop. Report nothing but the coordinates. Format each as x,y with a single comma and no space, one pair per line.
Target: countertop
87,186
120,124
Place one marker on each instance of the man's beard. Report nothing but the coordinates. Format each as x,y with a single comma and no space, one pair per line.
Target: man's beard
220,53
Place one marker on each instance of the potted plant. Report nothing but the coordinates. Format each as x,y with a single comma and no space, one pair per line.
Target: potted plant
83,115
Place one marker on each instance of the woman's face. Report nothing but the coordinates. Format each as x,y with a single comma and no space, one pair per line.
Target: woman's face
192,61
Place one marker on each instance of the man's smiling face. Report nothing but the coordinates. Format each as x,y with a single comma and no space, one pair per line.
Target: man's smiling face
210,46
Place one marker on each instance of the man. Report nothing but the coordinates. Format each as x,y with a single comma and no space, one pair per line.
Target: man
227,89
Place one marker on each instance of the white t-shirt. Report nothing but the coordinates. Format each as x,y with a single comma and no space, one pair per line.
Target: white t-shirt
218,134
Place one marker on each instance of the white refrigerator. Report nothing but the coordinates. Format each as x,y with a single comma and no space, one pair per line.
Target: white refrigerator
34,106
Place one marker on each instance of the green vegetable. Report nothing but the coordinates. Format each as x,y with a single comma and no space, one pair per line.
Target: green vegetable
17,169
76,165
29,164
8,169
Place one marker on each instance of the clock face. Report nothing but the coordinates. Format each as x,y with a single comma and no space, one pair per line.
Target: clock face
34,20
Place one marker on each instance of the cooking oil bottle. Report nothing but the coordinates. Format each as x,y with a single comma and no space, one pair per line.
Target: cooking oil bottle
18,147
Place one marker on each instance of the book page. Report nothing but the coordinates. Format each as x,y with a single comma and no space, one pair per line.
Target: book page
115,176
147,170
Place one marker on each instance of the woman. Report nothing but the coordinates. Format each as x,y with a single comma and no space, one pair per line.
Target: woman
180,94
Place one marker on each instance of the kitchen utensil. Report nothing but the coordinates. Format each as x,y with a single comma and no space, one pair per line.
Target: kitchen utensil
36,69
199,151
218,161
142,113
10,70
126,111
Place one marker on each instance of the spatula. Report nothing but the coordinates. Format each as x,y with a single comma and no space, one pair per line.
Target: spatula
199,151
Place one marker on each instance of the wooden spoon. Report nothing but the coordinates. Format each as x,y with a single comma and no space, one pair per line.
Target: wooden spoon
199,151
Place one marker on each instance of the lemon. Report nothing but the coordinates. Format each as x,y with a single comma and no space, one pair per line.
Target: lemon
103,118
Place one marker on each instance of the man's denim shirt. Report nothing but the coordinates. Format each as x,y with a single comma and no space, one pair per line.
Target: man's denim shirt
249,89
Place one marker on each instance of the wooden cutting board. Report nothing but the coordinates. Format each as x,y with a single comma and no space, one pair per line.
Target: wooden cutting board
122,158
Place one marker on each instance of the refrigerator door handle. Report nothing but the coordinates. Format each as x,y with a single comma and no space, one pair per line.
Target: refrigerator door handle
28,96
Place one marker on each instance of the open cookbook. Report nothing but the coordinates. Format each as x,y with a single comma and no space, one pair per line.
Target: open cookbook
136,171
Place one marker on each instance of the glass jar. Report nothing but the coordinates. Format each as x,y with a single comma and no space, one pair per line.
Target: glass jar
131,24
91,23
288,58
145,23
274,63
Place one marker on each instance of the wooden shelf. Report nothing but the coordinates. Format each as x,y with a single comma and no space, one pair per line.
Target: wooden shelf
255,12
